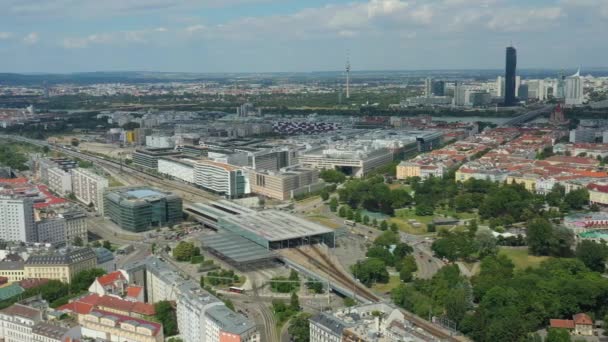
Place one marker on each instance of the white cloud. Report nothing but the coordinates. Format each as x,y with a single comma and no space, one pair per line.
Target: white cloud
5,35
31,38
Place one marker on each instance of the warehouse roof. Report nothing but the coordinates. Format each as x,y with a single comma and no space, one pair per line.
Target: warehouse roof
236,248
275,225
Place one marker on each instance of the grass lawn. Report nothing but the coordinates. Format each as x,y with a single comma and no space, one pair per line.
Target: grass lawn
404,226
407,214
394,186
323,220
308,199
113,182
521,258
393,282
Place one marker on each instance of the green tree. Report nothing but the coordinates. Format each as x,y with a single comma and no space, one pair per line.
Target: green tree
229,304
539,236
294,301
456,304
332,176
592,254
333,204
349,214
299,329
324,195
78,241
394,227
75,142
557,335
46,150
107,245
370,271
486,242
383,225
365,220
83,279
576,199
183,251
165,313
342,211
375,222
357,216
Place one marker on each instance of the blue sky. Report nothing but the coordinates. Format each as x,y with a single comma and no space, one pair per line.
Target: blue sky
298,35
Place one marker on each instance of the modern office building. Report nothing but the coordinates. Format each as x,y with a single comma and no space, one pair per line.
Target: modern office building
428,87
88,187
17,219
353,159
510,78
61,264
438,88
286,183
272,159
148,158
221,178
574,90
139,209
584,135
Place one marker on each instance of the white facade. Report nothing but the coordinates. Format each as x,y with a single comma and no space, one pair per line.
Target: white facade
221,178
574,90
176,169
360,159
159,141
59,181
17,219
17,321
88,187
500,86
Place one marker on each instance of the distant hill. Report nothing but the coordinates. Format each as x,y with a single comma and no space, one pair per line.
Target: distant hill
269,78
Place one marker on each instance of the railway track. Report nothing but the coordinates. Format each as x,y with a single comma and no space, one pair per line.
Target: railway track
338,276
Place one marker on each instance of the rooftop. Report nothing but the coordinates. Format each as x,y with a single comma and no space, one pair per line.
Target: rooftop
228,320
236,248
49,330
274,225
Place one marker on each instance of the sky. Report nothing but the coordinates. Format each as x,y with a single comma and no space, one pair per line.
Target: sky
61,36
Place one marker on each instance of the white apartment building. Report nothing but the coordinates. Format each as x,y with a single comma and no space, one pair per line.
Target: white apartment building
88,187
59,181
182,169
17,321
17,219
221,178
159,141
203,317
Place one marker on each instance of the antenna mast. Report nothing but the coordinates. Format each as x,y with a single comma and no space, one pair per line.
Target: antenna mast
347,76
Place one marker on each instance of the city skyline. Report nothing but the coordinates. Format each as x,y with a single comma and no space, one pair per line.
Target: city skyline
58,36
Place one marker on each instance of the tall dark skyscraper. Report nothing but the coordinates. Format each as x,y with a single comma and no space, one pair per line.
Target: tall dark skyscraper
511,64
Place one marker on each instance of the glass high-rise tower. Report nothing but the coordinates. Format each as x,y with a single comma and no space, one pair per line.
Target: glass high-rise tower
511,64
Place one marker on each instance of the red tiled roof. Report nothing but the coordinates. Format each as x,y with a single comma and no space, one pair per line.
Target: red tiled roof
110,278
573,160
34,282
13,180
110,302
77,307
50,199
561,323
597,187
134,291
582,319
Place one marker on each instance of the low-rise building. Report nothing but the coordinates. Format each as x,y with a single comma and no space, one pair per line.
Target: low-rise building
148,158
598,193
178,168
109,326
62,264
17,322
